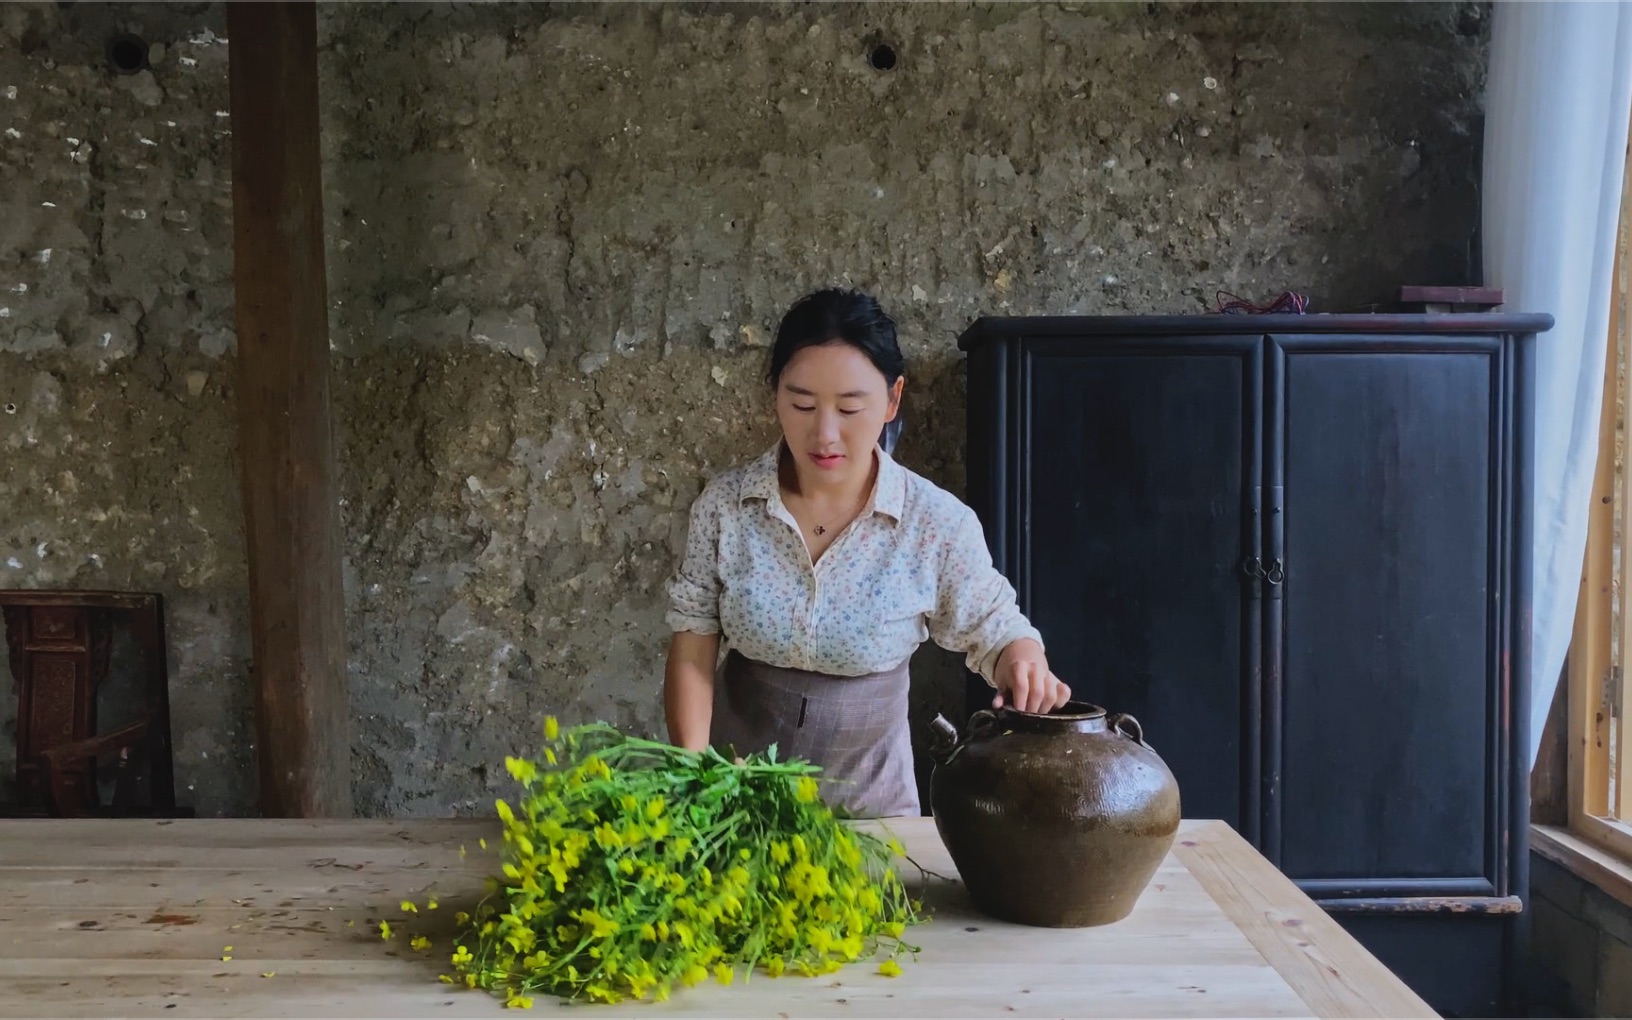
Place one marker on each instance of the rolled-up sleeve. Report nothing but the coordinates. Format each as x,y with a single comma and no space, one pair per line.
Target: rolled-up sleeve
694,589
976,612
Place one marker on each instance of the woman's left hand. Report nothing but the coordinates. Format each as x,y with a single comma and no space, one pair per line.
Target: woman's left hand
1024,681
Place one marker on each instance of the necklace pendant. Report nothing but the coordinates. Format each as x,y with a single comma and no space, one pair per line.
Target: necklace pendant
820,530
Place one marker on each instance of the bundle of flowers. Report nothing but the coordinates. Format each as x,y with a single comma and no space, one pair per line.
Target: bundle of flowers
631,866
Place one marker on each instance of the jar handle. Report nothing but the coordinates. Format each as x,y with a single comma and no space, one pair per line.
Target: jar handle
1128,726
981,724
947,745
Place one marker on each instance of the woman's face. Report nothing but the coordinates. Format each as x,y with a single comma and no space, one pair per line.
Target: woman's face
832,403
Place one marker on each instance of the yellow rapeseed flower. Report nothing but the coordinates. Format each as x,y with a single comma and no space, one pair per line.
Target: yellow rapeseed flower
602,893
521,770
889,968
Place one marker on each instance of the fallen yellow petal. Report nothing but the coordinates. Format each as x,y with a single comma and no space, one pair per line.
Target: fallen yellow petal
268,973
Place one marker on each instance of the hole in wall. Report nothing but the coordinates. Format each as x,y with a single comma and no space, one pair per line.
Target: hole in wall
11,409
127,54
882,57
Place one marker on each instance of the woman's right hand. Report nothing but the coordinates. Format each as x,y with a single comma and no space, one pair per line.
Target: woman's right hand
1025,683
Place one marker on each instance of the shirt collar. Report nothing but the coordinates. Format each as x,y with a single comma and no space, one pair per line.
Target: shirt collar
760,482
889,491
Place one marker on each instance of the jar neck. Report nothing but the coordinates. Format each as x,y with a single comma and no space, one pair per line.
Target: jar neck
1072,717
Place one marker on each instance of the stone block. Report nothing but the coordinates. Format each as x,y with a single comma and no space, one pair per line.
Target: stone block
1556,883
1608,914
1615,977
1567,947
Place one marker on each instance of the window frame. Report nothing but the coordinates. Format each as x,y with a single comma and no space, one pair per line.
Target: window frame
1593,678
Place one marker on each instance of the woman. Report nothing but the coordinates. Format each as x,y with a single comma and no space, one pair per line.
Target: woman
824,564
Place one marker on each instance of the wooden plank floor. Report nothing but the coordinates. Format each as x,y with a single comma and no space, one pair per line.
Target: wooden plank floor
133,919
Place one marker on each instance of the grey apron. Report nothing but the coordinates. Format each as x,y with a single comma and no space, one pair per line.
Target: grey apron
855,728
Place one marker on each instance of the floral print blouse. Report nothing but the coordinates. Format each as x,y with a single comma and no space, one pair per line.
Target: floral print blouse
913,565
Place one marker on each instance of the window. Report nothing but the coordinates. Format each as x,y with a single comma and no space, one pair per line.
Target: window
1599,784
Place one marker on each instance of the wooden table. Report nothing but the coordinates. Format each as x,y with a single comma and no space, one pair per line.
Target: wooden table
132,918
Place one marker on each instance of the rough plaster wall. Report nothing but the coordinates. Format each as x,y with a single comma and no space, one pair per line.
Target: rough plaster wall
116,414
559,240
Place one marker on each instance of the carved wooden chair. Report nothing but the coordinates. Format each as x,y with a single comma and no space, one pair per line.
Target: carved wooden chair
59,644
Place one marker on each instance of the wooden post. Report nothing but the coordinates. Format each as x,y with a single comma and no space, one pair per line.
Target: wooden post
1549,777
291,520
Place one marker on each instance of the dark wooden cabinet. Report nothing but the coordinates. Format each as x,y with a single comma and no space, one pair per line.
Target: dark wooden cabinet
1297,549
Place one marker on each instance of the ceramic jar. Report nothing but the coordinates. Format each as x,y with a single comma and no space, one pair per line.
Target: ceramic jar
1055,820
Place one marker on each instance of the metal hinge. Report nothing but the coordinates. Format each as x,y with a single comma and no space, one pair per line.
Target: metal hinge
1611,701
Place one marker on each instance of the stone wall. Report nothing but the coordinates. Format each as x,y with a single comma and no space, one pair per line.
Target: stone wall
1581,945
559,239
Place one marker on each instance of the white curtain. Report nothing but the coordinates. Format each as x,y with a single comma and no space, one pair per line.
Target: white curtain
1556,111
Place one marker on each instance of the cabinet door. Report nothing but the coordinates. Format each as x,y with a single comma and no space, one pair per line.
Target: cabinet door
1136,467
1383,676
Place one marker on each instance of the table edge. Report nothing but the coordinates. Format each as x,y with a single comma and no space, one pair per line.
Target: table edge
1263,908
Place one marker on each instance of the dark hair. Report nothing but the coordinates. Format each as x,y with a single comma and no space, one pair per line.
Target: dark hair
847,316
